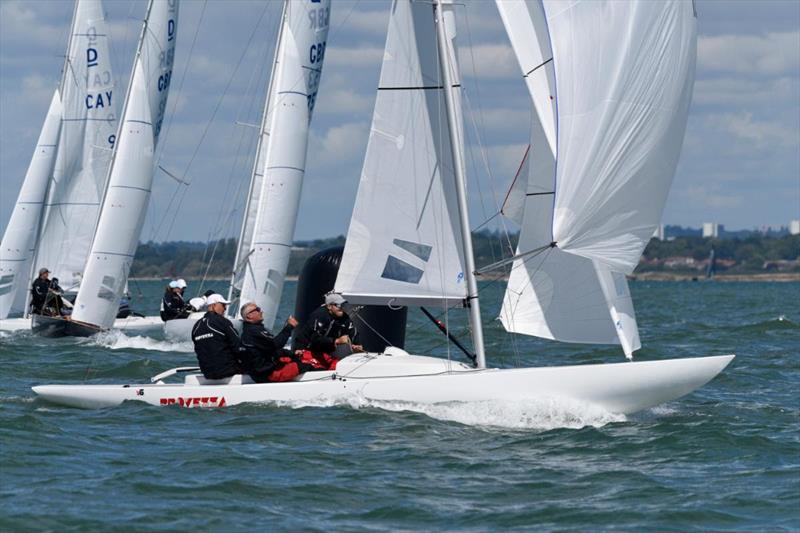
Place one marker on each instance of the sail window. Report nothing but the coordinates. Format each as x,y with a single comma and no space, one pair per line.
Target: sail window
398,270
423,251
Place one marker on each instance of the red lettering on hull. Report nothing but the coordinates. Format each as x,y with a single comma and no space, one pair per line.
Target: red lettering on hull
199,401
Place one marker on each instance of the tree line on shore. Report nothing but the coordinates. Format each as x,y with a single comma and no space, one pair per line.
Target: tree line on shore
748,255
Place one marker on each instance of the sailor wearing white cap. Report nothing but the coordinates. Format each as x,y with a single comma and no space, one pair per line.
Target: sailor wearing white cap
172,304
216,342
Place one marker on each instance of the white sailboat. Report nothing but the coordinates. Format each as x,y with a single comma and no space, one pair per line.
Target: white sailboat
58,205
409,240
270,217
130,177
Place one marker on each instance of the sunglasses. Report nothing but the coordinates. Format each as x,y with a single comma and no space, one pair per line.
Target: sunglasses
254,310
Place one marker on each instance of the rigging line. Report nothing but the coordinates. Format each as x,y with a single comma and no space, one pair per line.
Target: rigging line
484,223
502,262
216,109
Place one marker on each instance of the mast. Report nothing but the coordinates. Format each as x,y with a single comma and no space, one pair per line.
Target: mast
262,133
458,166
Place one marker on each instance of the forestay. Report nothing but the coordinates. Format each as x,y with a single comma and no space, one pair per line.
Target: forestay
18,244
271,216
624,74
403,246
551,293
88,129
131,173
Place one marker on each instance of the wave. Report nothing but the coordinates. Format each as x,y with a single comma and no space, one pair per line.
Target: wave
117,340
540,415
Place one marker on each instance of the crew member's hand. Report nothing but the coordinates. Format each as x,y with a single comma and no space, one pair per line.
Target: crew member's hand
292,321
344,339
357,348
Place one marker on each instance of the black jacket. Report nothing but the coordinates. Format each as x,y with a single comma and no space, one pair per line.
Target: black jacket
218,347
39,294
263,350
172,306
321,323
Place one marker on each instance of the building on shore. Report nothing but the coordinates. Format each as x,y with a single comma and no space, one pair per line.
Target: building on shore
711,230
794,227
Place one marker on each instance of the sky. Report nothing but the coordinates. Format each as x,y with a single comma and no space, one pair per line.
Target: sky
740,164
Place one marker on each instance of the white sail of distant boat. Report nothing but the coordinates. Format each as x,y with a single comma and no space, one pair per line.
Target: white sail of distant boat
262,256
651,47
131,173
552,293
58,205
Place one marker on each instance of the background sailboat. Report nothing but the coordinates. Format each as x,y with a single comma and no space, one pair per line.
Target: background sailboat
130,178
57,209
267,231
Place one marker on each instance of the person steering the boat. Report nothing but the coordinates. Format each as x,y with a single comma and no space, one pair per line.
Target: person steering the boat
266,360
39,290
331,322
172,304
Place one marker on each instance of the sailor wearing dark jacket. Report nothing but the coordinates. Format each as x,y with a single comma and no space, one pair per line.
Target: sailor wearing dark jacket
265,360
329,321
218,347
172,305
39,289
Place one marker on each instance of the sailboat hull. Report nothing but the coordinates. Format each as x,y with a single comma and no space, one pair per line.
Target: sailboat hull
132,324
397,377
52,326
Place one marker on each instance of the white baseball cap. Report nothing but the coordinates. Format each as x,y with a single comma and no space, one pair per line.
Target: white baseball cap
173,284
333,298
181,284
216,299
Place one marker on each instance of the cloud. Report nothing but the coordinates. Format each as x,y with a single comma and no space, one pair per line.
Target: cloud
747,92
762,133
710,196
488,61
770,54
339,145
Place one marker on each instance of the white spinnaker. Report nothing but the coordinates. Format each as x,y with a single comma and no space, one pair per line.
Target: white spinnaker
264,257
88,129
19,238
553,294
131,174
624,77
403,246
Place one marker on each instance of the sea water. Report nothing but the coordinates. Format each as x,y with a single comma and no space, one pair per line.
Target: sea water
724,458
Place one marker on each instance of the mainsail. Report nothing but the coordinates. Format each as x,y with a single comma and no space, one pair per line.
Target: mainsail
551,293
53,221
131,173
18,244
403,245
88,129
271,215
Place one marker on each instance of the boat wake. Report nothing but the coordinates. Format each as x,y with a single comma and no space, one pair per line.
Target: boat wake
539,415
117,340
